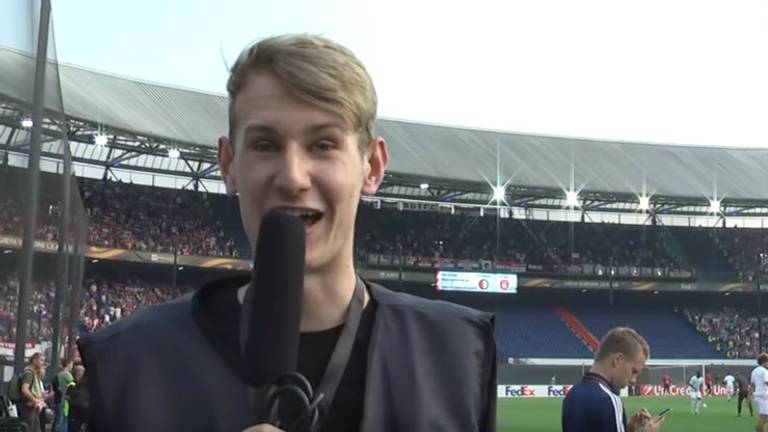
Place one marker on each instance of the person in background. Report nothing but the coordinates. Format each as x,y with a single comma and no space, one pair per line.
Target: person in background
696,392
742,387
594,405
32,393
60,383
729,381
759,387
667,381
78,401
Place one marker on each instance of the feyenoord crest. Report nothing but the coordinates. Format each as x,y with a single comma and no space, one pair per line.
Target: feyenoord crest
504,284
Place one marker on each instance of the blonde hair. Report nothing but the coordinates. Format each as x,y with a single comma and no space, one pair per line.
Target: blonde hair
314,69
623,340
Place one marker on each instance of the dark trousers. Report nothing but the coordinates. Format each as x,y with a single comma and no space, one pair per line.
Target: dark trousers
76,424
742,397
30,416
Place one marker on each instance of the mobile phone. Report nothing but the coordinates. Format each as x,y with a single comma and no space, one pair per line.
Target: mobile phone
663,413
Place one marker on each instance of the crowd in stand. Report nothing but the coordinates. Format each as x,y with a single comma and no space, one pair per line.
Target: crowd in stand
152,219
437,235
103,302
144,218
41,302
747,249
131,217
733,331
106,301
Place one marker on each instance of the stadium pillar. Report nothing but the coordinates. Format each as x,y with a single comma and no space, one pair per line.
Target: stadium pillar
78,266
610,283
33,174
62,267
400,272
174,276
759,310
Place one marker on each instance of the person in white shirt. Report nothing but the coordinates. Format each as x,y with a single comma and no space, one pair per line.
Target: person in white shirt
695,391
759,386
729,381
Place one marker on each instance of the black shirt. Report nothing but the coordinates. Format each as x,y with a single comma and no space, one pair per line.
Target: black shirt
315,349
219,316
742,385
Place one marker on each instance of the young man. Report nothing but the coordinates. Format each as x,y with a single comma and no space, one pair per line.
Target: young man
301,140
742,387
759,388
667,381
696,391
709,382
729,381
594,404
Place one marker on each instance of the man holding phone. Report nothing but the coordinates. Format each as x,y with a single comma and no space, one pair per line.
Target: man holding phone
594,404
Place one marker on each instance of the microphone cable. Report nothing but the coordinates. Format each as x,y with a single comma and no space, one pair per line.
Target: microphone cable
306,409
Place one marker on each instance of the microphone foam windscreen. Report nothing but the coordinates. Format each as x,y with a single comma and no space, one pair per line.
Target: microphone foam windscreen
276,301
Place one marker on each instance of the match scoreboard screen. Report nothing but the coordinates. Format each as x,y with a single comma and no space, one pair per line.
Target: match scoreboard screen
477,282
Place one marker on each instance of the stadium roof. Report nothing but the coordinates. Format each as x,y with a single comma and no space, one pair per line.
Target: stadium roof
418,151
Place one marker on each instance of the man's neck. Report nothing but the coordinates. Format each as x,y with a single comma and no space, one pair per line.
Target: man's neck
327,296
603,371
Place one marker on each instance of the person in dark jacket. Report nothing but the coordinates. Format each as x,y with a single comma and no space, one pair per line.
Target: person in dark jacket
77,401
595,405
302,112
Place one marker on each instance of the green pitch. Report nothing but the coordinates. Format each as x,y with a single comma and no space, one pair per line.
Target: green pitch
543,415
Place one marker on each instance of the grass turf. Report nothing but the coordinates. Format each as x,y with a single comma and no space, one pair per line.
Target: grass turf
544,414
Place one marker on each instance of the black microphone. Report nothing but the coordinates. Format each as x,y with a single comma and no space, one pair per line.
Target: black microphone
270,327
275,299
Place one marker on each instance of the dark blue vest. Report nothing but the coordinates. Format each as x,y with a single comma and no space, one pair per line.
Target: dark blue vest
431,367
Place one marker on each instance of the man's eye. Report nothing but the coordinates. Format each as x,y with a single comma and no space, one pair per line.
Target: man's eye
263,146
323,146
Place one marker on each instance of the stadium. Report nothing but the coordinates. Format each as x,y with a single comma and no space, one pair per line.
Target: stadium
560,238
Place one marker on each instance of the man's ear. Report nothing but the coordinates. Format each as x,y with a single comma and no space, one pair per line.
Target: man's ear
226,164
375,163
618,359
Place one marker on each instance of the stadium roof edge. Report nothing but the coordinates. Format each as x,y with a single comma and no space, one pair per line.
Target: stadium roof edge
419,150
564,137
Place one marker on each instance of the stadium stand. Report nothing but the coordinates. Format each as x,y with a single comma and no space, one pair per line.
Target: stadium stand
144,218
227,211
432,239
137,217
535,331
704,253
743,248
731,330
670,335
103,302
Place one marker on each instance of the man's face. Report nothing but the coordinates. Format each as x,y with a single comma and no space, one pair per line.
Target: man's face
289,154
627,369
39,362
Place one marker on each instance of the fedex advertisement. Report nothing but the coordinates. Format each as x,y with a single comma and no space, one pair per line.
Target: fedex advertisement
532,391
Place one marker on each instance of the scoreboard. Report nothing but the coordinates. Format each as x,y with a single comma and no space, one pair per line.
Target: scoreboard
476,282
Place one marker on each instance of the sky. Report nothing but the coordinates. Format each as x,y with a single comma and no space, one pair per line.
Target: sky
658,71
